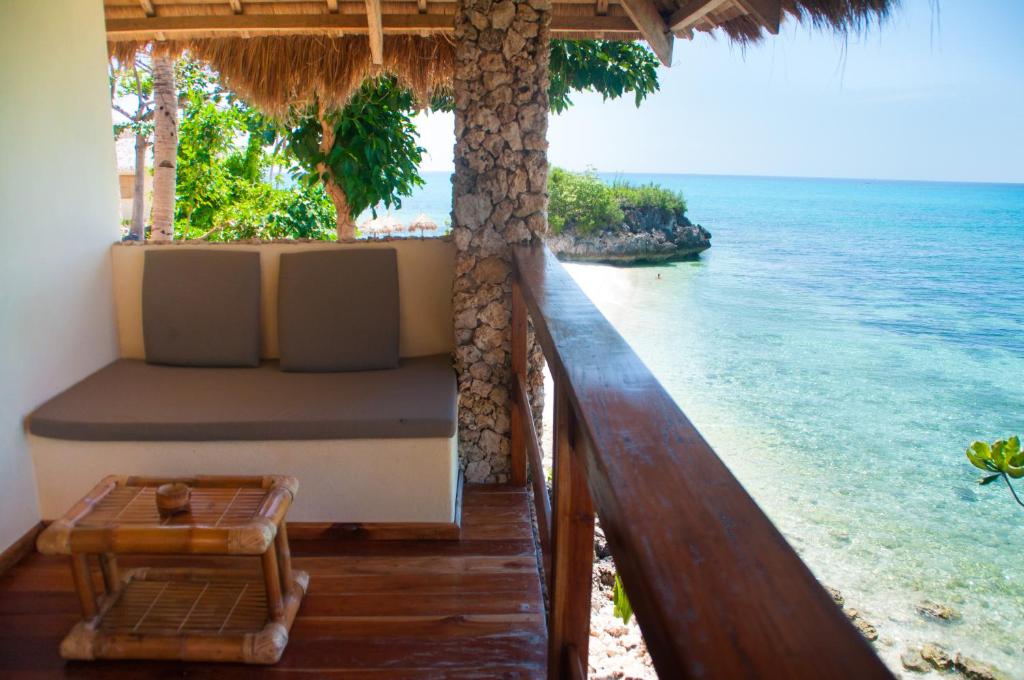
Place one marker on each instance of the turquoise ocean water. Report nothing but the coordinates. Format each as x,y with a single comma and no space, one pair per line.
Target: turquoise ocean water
839,346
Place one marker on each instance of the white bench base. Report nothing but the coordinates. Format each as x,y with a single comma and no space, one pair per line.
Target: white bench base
340,480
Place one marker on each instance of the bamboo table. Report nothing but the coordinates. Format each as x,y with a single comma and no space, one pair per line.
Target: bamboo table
182,613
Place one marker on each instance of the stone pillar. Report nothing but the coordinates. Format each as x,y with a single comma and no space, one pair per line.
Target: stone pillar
499,199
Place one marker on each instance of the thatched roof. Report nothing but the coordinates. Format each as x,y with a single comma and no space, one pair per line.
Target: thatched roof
275,72
277,52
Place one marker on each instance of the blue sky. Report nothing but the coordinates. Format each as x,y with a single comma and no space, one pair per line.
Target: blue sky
935,93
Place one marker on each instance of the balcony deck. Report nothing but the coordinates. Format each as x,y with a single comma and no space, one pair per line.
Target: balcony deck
375,609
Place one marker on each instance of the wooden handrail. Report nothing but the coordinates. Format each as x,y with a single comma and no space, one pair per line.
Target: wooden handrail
717,590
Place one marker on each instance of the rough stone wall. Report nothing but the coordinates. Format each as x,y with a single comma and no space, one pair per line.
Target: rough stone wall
499,199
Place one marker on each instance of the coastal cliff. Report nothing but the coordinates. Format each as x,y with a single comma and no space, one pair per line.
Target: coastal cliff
619,223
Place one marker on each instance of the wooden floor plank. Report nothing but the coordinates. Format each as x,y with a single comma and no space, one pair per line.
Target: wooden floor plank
381,610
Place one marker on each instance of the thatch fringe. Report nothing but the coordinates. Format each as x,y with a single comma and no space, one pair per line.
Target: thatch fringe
842,16
278,72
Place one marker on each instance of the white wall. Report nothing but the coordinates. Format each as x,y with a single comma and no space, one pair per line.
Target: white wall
58,216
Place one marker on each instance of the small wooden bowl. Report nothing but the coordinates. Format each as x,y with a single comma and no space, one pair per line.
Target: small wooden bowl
172,499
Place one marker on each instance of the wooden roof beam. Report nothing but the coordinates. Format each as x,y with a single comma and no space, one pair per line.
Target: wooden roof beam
690,14
767,12
147,7
376,30
652,27
223,26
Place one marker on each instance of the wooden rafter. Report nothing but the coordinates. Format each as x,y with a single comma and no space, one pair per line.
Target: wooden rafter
237,25
147,7
375,28
652,27
689,15
768,13
602,7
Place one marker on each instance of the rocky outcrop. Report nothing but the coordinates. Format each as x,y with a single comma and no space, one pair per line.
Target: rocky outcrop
641,239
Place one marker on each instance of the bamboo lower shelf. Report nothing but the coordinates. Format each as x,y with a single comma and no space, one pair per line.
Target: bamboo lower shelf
186,614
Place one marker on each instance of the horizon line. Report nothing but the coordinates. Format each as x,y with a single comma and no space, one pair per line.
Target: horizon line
1013,183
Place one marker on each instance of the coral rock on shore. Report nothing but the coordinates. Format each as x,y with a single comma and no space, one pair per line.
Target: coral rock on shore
934,610
628,246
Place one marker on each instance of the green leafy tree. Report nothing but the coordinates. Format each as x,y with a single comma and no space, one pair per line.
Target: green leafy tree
365,154
610,68
1002,459
229,161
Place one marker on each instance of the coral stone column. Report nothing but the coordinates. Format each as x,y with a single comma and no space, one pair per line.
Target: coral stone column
499,199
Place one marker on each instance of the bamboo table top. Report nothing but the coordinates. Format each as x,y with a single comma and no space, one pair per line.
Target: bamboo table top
227,516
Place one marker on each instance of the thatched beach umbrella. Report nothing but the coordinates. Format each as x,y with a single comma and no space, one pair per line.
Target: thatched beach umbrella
393,224
422,223
375,227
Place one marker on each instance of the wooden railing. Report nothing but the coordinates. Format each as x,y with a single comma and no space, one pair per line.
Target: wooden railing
717,591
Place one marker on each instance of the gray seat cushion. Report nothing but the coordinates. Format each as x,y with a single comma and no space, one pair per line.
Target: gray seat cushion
130,400
338,310
201,307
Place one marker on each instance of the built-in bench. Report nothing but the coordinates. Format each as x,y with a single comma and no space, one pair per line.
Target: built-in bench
368,446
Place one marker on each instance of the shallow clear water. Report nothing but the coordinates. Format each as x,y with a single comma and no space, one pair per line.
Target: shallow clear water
839,346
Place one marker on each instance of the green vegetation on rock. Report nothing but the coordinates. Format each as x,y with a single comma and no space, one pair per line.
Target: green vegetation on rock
583,203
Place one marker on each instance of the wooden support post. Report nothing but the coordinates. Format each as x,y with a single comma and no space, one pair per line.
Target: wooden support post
517,422
376,30
111,578
272,578
284,558
83,585
573,546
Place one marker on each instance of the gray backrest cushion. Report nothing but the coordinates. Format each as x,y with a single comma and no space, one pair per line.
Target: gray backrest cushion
338,310
201,307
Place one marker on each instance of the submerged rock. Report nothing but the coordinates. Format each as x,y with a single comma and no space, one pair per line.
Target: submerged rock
934,610
866,628
912,661
975,670
837,596
936,656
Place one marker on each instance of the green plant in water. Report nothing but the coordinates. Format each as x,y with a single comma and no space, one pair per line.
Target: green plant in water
1001,459
623,609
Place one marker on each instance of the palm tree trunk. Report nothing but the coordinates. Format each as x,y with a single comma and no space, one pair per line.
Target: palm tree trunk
346,225
165,148
138,228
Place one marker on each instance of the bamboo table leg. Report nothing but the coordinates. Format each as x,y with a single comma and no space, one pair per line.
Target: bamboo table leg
275,605
83,584
111,578
284,558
